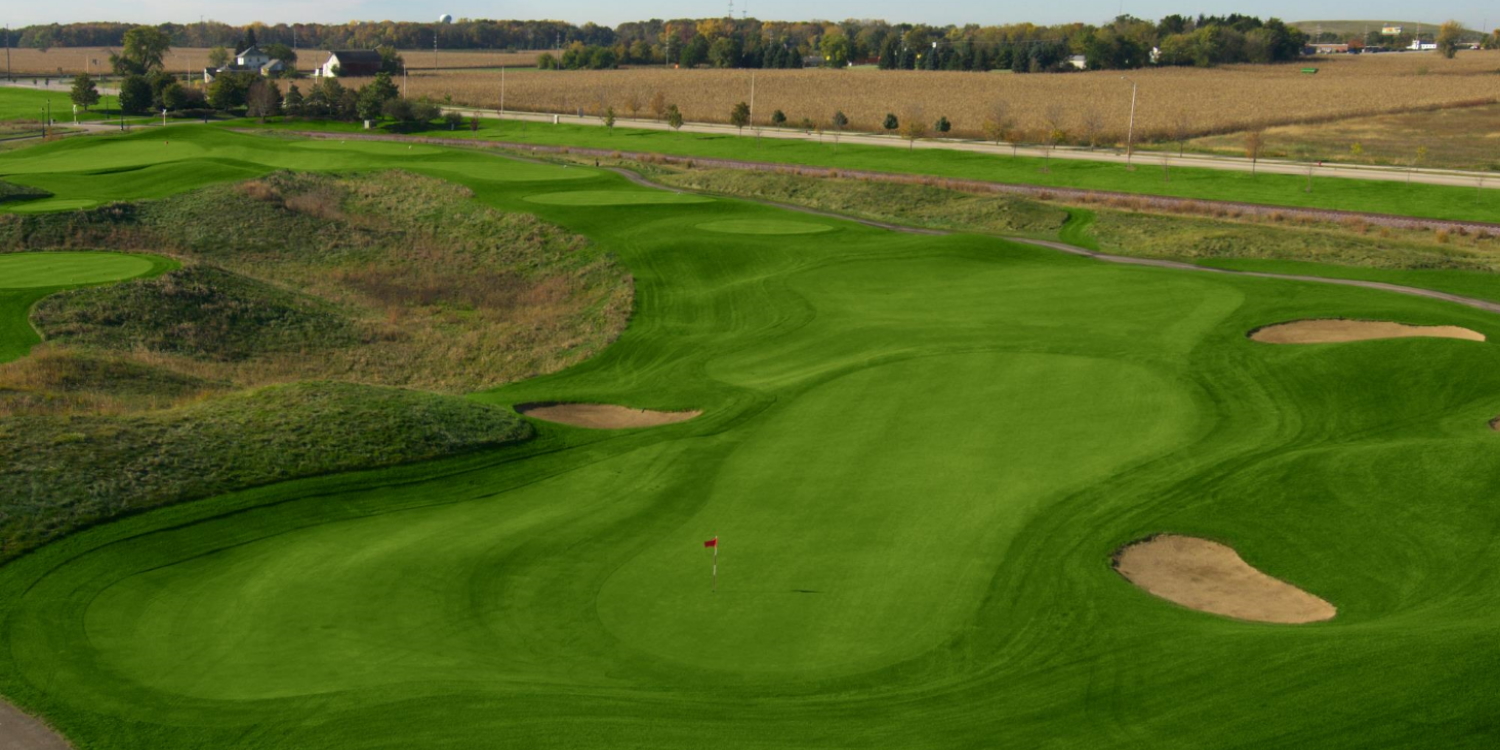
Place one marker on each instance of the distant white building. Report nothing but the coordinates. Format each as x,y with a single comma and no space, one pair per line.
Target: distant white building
350,62
252,60
1079,61
1418,45
1390,30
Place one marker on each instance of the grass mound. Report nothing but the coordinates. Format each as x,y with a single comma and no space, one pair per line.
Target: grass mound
10,191
61,382
917,205
197,311
58,475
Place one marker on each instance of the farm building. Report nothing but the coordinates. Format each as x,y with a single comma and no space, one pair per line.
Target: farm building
252,60
350,62
1326,49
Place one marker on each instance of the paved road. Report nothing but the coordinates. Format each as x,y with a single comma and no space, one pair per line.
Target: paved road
19,731
1486,180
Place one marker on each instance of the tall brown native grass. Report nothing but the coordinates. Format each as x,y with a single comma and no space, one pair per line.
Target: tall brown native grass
1173,103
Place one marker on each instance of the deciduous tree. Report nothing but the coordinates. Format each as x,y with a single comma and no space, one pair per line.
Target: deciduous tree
84,94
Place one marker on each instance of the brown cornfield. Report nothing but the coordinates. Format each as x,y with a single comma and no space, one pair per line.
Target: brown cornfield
1173,102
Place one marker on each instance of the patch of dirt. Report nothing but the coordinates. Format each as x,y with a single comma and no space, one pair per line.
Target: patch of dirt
20,731
602,416
1211,577
1338,330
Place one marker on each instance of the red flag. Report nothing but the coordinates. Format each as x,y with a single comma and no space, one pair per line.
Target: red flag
712,542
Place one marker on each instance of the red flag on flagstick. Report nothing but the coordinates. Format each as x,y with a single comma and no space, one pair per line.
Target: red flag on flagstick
712,542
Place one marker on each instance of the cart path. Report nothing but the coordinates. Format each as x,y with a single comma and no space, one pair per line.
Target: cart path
21,731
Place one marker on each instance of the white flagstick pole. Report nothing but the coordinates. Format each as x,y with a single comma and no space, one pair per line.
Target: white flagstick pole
716,565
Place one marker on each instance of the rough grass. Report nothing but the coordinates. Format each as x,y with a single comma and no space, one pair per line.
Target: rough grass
60,474
198,311
916,205
441,293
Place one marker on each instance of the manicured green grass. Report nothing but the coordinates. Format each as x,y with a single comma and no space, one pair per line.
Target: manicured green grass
1429,201
918,453
765,226
26,278
614,198
27,270
20,103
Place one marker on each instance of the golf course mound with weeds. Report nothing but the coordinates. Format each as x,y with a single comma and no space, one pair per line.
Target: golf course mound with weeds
1341,330
59,474
602,416
1211,577
914,204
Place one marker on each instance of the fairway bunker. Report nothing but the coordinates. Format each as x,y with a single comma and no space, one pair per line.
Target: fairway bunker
1340,330
602,416
1211,577
764,227
616,198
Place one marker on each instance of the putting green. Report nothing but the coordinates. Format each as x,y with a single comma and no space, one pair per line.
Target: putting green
50,204
616,198
28,270
918,454
765,226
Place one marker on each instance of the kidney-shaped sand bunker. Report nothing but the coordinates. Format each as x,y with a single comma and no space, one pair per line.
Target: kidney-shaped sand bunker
602,416
1211,577
1339,330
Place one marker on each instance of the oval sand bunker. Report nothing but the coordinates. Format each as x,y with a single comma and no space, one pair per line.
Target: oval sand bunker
603,416
1333,331
1210,577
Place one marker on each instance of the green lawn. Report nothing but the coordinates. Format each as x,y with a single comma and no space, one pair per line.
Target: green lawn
1428,201
918,454
26,278
21,103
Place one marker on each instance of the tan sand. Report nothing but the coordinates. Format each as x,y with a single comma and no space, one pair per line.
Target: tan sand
603,416
1210,577
1331,331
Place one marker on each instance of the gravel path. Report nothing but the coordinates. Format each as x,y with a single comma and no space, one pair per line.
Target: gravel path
1150,202
20,731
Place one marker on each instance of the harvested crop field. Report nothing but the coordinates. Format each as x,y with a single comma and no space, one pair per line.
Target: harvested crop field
1088,106
1211,577
1338,330
603,416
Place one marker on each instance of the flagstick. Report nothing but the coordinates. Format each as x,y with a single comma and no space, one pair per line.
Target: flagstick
716,565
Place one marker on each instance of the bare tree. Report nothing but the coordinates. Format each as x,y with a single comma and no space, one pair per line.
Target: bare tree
633,103
1254,142
1093,124
1182,129
914,127
1054,134
998,123
659,105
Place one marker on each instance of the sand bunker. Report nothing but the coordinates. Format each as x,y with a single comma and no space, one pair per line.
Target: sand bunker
1334,331
1210,577
603,416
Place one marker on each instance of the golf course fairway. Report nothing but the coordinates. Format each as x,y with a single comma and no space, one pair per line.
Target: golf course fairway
919,455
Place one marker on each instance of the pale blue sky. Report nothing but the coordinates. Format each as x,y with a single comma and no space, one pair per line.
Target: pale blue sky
1471,12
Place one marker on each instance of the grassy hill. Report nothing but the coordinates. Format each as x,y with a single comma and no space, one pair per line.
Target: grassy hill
1359,28
919,455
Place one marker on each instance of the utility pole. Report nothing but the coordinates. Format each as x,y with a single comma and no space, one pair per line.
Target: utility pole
502,92
8,76
1130,132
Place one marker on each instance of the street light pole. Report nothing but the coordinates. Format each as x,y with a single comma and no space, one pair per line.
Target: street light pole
1130,134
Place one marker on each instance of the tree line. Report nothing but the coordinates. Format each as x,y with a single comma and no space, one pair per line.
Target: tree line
1125,42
